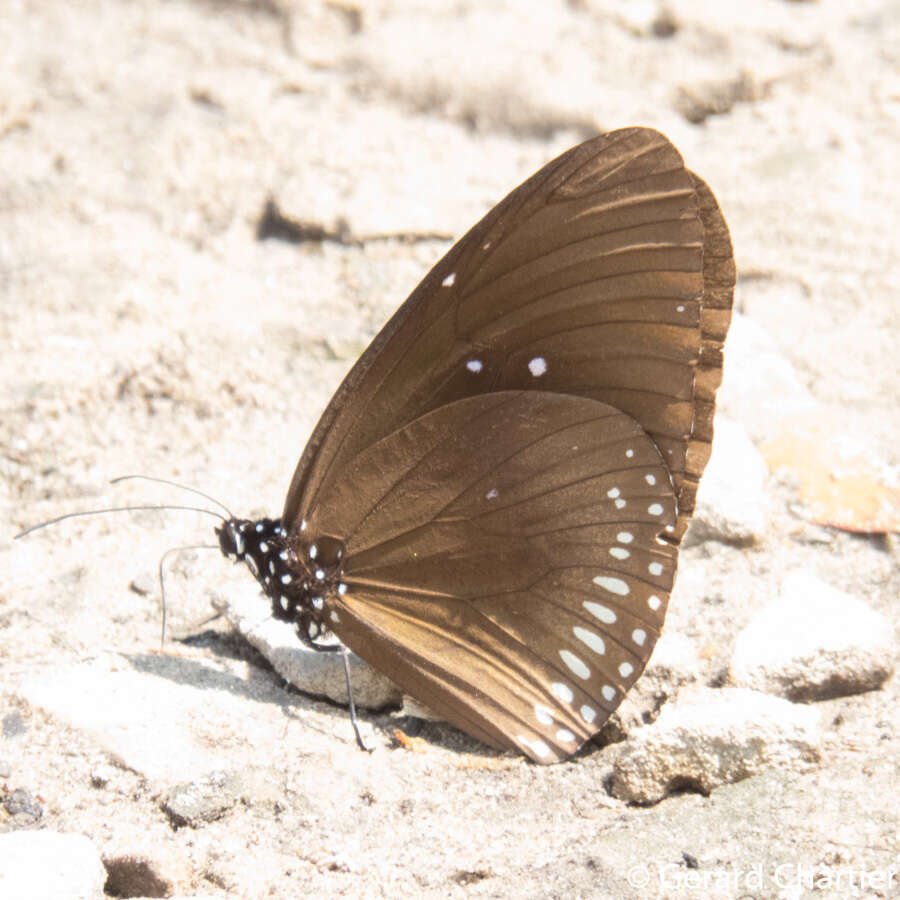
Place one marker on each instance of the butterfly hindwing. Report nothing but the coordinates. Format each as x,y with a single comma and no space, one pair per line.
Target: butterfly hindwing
515,592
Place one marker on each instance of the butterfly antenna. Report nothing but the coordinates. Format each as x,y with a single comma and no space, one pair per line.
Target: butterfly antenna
113,509
162,582
345,653
174,484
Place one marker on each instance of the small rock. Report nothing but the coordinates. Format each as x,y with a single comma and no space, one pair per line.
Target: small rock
49,864
13,725
101,775
201,801
698,101
813,643
210,797
23,808
731,498
711,738
319,674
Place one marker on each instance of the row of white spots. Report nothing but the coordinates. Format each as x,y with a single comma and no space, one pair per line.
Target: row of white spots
608,616
536,745
537,366
544,716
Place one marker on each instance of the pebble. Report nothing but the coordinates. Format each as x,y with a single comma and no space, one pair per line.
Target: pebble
50,865
814,642
313,672
714,737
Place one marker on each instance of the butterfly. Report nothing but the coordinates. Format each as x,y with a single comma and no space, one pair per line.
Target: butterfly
490,508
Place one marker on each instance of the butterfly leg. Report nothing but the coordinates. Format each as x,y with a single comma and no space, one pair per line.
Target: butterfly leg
345,654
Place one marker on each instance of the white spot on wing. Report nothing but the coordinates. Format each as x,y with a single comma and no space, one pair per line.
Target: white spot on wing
655,568
603,613
612,493
613,585
629,452
650,479
543,714
619,552
624,537
474,365
537,366
654,602
492,494
563,691
588,713
620,503
564,736
594,641
448,281
625,669
575,664
639,636
609,693
655,509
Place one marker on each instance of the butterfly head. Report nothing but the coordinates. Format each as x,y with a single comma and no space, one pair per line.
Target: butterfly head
298,576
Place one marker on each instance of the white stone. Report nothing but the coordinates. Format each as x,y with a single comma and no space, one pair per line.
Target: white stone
313,672
50,865
759,384
812,643
714,737
731,500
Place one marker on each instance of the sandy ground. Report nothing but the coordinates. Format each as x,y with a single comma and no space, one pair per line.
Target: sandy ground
147,329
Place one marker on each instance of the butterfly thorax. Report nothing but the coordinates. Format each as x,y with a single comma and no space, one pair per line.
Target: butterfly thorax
298,576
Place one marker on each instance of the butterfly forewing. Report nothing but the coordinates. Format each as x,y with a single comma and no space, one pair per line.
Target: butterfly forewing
503,478
596,262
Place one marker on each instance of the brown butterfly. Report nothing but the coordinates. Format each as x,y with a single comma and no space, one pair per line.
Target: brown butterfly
490,508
